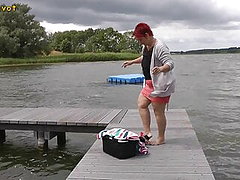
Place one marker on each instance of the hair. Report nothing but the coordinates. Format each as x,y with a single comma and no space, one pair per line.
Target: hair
141,29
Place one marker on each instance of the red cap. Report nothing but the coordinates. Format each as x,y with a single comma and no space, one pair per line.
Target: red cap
141,29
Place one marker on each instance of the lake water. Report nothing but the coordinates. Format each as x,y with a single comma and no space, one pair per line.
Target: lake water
208,87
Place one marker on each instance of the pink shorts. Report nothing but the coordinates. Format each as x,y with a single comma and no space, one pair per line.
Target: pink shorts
146,91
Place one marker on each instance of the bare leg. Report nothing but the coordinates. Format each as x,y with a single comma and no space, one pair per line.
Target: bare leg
143,104
159,111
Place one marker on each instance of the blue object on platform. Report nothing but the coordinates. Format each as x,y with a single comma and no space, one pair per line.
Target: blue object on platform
127,78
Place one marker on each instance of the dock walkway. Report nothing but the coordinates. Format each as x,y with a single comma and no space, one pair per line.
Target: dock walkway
181,157
50,122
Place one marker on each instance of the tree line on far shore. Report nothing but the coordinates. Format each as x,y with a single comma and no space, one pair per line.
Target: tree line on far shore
21,36
210,51
99,40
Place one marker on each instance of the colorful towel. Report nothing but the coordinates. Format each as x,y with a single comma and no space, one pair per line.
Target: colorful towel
123,135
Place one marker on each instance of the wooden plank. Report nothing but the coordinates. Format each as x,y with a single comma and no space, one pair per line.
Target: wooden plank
75,115
60,116
139,176
170,124
150,169
100,114
178,114
56,116
17,116
3,121
117,119
36,115
85,116
53,116
92,118
109,117
160,163
174,120
39,113
6,111
54,119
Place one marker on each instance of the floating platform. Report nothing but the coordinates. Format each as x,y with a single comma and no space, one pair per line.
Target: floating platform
126,79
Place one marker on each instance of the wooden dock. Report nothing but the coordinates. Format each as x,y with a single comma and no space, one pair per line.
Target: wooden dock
50,122
181,157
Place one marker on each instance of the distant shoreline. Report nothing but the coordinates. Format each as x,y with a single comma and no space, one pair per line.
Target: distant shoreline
210,51
67,57
96,57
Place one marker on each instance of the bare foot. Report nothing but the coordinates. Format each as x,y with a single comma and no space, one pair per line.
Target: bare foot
158,141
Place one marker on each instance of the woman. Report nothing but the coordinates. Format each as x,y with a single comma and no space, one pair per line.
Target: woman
159,83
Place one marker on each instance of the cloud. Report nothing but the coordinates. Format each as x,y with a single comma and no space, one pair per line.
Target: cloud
124,14
185,22
180,37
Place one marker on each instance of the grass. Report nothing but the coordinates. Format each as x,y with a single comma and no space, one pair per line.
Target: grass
71,57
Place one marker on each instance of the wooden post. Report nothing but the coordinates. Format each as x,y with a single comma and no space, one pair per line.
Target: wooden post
2,136
61,138
41,141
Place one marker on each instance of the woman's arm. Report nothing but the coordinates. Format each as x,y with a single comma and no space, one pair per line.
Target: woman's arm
134,61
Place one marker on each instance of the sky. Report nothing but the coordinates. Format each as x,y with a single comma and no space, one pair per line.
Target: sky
181,24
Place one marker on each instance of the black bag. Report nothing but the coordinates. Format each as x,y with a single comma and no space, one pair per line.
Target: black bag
119,149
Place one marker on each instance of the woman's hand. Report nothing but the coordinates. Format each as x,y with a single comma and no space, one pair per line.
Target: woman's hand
127,63
156,70
164,68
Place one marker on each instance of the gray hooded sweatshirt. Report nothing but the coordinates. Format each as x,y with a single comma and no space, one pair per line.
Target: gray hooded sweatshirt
163,82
